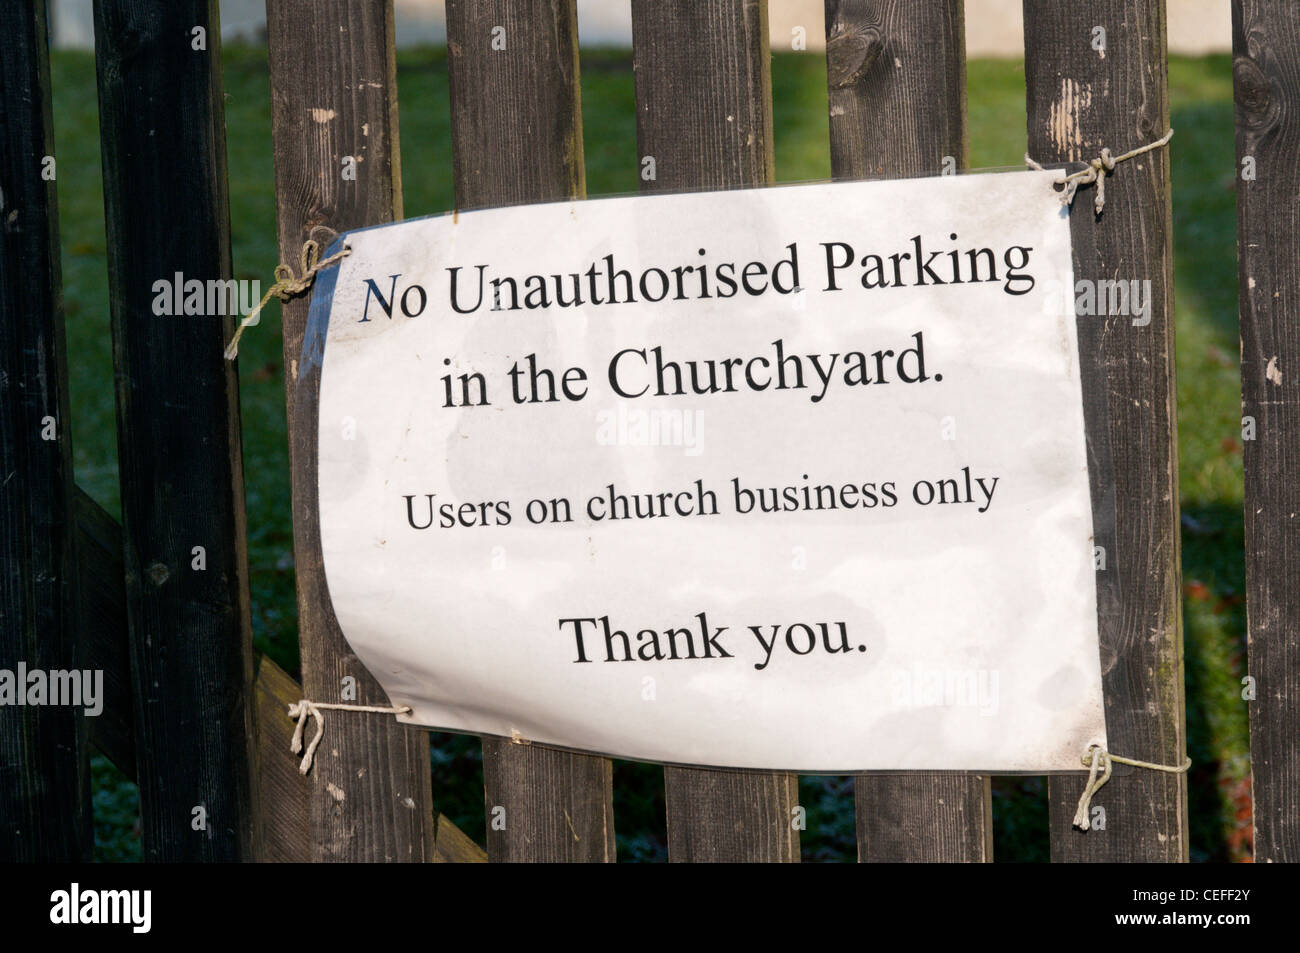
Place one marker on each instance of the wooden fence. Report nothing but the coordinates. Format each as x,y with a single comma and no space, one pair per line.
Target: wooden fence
198,719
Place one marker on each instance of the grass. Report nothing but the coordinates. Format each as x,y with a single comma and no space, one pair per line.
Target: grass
1210,468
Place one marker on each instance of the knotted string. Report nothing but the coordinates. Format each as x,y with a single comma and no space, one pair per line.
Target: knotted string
304,708
287,285
1096,171
1098,759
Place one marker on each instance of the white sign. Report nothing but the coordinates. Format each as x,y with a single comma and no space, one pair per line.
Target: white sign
791,478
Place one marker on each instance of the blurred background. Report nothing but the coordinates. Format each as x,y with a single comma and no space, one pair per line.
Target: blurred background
993,27
1209,403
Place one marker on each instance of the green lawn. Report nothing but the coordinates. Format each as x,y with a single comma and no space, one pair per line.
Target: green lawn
1208,395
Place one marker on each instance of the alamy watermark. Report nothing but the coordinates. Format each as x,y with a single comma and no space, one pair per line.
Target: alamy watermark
179,295
76,688
920,687
651,428
1127,298
76,905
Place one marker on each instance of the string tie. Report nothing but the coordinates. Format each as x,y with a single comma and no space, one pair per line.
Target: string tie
1098,762
305,708
1096,171
287,285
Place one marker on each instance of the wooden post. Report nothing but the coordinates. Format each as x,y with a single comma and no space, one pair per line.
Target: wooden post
704,120
334,115
896,80
1096,77
517,137
44,791
162,132
1266,82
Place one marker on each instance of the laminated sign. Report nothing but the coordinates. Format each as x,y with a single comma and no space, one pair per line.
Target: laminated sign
790,478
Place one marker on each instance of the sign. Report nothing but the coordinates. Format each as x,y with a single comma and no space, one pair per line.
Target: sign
791,478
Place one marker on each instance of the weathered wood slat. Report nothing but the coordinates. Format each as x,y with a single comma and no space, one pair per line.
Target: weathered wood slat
703,94
718,816
704,120
162,132
558,805
896,85
453,846
1080,101
1266,81
44,791
516,138
924,817
516,113
334,98
285,826
102,582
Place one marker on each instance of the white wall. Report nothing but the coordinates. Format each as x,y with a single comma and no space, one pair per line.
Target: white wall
993,27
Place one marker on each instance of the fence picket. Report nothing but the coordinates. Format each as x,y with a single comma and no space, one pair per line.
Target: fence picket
896,78
704,120
179,459
1266,45
896,87
44,788
1080,101
334,97
517,137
